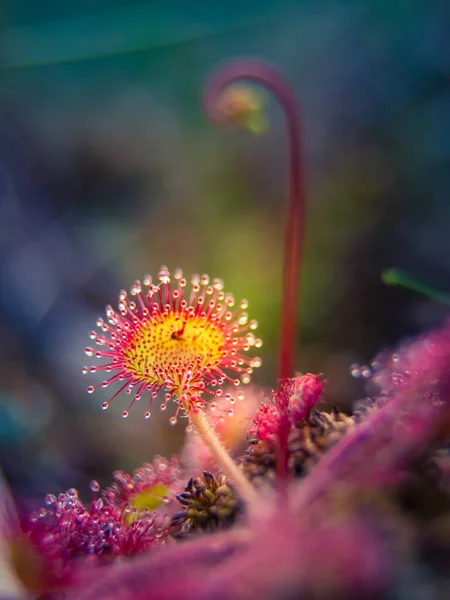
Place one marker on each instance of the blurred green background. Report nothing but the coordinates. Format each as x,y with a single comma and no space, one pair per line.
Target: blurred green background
108,169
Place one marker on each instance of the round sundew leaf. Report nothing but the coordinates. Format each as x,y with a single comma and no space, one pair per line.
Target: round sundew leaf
185,342
151,498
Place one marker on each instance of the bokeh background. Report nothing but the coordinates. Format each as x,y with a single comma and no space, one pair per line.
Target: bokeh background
108,169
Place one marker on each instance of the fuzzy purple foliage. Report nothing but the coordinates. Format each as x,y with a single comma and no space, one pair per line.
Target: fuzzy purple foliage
412,409
297,544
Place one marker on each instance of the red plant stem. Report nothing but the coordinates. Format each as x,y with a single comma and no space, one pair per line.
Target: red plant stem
295,224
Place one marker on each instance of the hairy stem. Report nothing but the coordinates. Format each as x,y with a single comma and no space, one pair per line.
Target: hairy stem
295,224
243,487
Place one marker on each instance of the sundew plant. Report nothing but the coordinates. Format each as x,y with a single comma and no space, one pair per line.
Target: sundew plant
289,500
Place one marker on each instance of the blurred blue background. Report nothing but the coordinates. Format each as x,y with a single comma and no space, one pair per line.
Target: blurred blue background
109,169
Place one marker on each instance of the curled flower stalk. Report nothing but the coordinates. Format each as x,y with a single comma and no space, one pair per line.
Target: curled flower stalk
335,505
223,105
183,343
